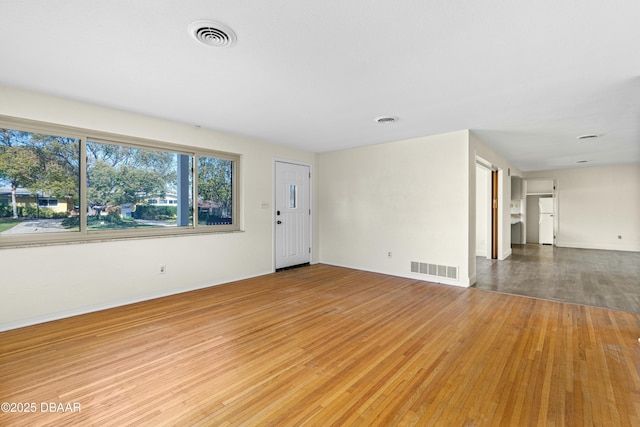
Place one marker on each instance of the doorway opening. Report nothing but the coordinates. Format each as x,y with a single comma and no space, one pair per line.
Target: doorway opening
487,209
541,209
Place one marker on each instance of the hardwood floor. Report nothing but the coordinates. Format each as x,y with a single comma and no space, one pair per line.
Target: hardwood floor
609,279
323,345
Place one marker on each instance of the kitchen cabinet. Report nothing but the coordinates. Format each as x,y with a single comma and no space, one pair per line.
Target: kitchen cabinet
540,186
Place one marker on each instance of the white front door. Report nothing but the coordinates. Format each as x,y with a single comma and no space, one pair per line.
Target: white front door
292,214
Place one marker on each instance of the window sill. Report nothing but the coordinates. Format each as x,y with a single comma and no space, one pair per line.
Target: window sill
96,237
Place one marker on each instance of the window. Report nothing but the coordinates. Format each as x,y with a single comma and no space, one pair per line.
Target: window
127,186
86,185
215,190
293,196
39,181
45,203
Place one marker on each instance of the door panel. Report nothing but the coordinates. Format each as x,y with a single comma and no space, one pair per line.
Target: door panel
293,215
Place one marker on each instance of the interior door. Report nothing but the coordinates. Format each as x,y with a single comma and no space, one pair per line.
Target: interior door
494,214
292,215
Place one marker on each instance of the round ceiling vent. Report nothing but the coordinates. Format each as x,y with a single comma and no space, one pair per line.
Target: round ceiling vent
212,33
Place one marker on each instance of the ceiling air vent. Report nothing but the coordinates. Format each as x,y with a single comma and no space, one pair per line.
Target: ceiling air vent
212,33
588,136
386,119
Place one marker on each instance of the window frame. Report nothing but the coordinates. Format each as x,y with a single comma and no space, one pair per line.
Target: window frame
45,202
84,235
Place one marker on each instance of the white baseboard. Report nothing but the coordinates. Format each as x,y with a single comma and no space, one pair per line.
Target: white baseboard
422,277
472,280
604,247
111,304
506,254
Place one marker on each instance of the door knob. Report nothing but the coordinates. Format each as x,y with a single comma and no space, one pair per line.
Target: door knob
279,222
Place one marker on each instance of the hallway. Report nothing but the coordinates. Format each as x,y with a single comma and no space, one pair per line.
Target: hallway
608,279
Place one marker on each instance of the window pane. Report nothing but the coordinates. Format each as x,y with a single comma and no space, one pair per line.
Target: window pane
39,183
293,196
129,187
215,198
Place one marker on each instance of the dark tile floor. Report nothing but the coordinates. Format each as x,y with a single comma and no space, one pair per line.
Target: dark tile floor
609,279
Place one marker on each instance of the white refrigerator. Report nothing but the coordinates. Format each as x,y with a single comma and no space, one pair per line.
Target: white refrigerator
545,225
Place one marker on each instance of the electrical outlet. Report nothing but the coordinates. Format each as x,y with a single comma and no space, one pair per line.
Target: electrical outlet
163,269
389,254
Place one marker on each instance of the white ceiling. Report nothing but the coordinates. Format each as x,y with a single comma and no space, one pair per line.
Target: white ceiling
527,77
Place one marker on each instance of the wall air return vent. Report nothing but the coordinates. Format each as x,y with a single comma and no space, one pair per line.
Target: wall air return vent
435,270
432,269
452,272
212,33
415,267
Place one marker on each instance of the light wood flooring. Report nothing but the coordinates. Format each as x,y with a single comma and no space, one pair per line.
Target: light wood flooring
329,346
609,279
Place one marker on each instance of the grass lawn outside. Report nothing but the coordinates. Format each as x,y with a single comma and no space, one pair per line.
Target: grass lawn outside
71,224
7,223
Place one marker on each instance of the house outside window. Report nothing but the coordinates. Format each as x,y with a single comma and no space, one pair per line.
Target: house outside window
85,185
47,203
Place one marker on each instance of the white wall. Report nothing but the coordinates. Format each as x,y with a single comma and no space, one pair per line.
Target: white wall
43,283
595,205
483,212
415,198
409,197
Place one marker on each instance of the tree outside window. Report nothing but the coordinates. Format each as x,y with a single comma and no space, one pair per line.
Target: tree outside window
145,186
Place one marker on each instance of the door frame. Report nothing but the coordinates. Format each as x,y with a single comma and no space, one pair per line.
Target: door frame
487,205
273,207
495,213
495,206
